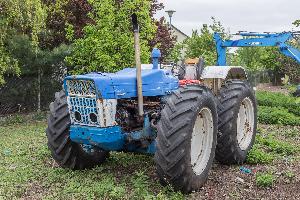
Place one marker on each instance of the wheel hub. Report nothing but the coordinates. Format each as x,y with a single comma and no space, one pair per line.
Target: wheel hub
245,123
202,140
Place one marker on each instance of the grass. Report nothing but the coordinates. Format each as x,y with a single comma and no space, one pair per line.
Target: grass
268,148
278,108
277,146
27,170
289,174
265,179
22,118
278,100
277,115
259,156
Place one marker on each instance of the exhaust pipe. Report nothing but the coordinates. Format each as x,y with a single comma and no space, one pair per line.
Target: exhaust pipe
138,63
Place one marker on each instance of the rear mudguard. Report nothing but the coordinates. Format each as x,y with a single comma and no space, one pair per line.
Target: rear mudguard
224,72
214,76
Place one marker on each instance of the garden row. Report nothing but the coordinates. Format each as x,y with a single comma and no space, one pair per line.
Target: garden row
277,108
273,146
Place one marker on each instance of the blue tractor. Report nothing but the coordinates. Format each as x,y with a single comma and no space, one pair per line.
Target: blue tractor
148,110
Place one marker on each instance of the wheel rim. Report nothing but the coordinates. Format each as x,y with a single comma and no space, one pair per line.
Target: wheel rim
202,141
245,124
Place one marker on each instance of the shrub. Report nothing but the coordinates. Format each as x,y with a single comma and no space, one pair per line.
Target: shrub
23,118
258,156
272,99
277,115
291,88
289,174
12,119
277,146
39,116
265,179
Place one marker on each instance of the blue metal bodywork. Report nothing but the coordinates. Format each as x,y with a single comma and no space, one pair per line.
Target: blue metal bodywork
113,139
257,40
93,93
122,84
109,138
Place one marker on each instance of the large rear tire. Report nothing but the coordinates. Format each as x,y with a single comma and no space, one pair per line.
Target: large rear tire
65,152
237,111
186,140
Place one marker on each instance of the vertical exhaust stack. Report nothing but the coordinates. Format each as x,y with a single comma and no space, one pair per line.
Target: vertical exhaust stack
156,55
138,63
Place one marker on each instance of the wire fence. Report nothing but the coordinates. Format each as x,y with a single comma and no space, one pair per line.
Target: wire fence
20,94
266,76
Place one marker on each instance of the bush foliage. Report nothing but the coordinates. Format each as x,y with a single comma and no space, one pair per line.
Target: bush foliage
265,179
273,145
277,115
259,156
270,99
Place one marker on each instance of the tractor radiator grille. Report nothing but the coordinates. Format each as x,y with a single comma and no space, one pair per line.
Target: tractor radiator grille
85,109
81,88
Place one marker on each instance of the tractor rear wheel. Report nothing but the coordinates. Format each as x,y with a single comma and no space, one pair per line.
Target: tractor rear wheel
66,153
237,111
186,140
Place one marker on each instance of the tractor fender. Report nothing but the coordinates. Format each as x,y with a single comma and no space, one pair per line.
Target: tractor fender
224,72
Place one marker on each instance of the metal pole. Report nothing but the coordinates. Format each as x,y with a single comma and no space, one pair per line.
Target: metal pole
138,64
170,13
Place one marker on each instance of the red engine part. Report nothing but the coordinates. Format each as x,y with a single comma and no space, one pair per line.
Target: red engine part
188,82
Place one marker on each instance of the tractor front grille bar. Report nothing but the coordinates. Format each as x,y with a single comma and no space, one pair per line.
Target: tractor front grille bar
81,88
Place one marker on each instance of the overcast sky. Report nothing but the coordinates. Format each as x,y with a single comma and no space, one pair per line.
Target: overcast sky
236,15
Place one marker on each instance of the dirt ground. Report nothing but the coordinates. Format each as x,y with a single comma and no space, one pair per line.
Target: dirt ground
228,182
270,88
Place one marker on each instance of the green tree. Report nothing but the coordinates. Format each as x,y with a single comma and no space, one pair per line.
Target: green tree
46,65
256,59
202,43
176,53
251,58
19,17
297,23
75,14
107,45
31,59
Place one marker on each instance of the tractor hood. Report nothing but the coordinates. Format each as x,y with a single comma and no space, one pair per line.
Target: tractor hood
122,84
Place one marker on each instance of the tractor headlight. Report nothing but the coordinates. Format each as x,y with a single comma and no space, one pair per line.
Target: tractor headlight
93,118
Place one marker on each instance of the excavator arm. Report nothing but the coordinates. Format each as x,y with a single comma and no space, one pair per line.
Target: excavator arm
257,40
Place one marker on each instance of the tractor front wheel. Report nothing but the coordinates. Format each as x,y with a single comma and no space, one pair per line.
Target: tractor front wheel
186,140
66,153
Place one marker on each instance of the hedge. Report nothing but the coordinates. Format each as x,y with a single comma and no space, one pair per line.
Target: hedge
277,115
292,104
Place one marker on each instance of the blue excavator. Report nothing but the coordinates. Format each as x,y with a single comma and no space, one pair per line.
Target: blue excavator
252,39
